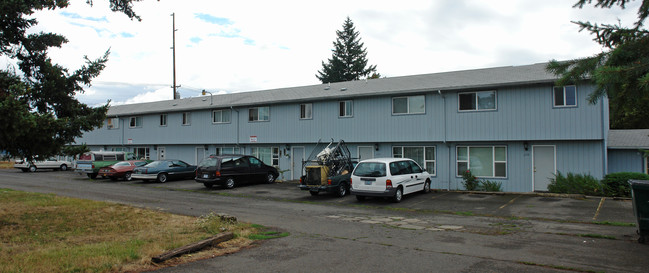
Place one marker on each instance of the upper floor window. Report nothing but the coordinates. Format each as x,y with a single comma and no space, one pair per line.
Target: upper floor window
135,122
163,120
565,96
221,116
259,114
187,118
409,105
346,108
112,123
477,101
306,111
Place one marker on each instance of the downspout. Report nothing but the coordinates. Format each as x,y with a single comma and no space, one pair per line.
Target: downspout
448,146
605,125
232,108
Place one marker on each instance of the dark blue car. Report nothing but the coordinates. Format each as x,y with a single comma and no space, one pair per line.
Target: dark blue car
164,170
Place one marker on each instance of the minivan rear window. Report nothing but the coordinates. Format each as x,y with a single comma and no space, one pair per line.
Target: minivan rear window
208,162
370,169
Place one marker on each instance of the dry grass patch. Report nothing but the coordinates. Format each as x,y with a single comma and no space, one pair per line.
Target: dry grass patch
48,233
6,165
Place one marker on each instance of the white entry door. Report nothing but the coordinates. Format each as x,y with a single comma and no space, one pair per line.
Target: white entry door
161,153
365,152
544,166
200,154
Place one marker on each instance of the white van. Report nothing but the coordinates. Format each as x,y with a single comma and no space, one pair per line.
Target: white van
388,177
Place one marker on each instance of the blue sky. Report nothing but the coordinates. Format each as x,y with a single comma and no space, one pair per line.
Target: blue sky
239,46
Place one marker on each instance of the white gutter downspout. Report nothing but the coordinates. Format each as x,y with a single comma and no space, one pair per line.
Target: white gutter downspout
448,146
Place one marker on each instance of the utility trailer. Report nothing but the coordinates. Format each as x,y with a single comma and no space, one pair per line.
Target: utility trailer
327,169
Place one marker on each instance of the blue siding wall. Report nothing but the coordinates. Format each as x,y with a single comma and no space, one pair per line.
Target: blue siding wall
625,161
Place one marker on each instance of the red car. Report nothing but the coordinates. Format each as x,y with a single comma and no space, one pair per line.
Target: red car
122,169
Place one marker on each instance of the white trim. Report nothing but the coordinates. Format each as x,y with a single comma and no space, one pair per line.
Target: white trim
196,153
554,149
165,152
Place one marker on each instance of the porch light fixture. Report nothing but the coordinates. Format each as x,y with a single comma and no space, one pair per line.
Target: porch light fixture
526,145
376,146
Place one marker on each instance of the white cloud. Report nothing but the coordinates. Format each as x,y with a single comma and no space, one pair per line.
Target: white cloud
256,45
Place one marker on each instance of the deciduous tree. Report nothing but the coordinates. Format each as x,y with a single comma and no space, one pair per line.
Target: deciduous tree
38,111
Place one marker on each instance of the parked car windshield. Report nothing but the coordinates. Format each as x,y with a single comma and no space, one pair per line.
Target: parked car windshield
208,162
370,169
156,164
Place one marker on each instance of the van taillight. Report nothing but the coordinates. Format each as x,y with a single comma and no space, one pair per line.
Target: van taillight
328,181
217,173
388,184
350,181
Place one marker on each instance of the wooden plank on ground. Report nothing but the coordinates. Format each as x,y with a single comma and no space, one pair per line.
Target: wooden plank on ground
194,247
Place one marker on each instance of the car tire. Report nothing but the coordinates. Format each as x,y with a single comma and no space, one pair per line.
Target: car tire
127,176
270,178
229,183
360,198
314,193
398,195
426,187
32,168
162,178
342,190
63,167
208,185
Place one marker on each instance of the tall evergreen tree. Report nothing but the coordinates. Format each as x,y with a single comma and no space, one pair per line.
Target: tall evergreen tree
38,111
621,72
349,59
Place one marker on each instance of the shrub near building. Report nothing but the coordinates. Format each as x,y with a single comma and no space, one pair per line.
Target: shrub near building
617,184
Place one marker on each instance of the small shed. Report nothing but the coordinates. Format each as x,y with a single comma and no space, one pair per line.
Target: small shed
626,150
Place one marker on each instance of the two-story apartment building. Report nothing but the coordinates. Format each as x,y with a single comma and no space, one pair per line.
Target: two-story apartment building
507,124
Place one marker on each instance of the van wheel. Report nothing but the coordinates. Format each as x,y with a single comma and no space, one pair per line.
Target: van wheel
398,195
360,198
32,168
427,187
342,190
208,185
64,167
229,183
162,178
270,178
314,193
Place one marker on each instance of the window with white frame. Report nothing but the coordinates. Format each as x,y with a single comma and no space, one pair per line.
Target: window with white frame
565,96
141,152
345,109
163,120
477,101
409,105
221,116
228,150
135,122
187,118
112,123
268,155
482,161
306,111
259,114
424,156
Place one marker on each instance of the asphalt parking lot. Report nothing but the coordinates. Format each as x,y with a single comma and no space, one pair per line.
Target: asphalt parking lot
523,205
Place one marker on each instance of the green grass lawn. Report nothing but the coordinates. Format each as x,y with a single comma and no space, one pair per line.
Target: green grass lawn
49,233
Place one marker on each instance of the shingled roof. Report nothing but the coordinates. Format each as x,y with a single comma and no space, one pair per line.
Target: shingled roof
628,139
446,81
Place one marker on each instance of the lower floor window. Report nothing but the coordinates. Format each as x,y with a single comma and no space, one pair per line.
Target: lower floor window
482,161
141,153
227,150
268,155
424,156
